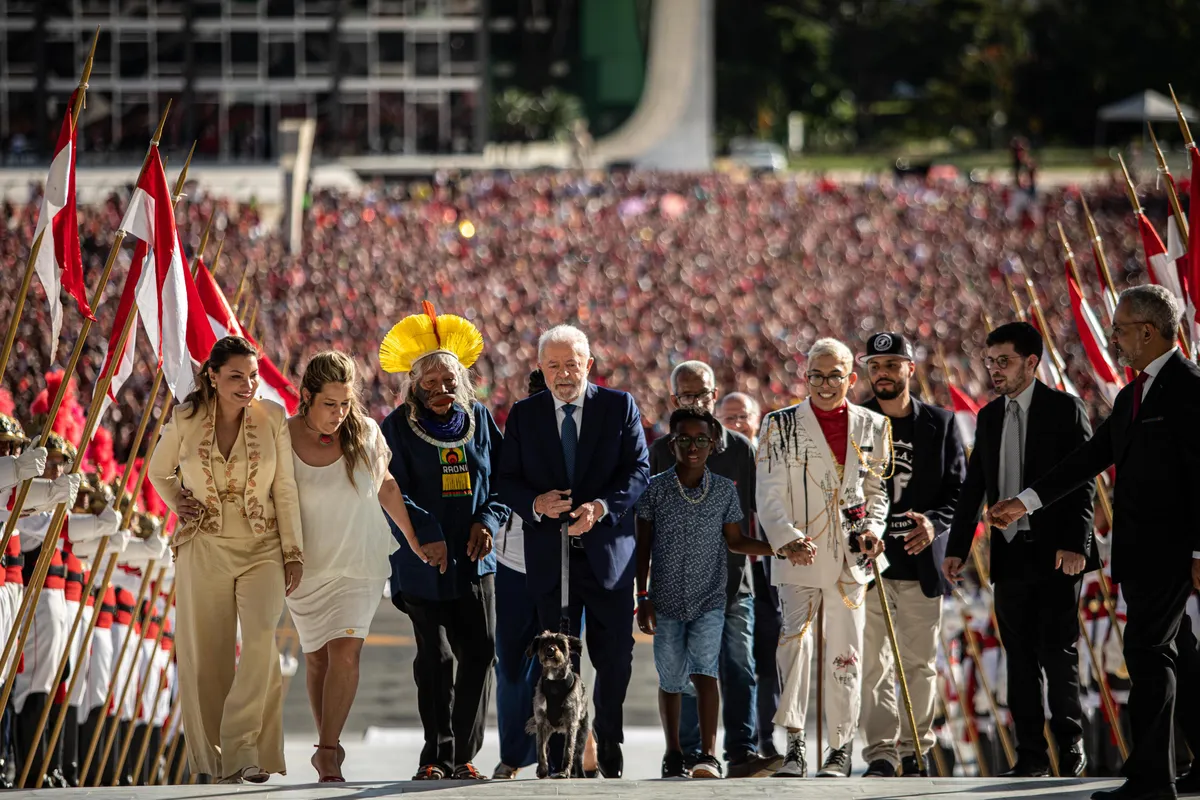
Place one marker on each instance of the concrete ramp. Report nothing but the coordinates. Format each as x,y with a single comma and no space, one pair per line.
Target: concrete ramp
672,127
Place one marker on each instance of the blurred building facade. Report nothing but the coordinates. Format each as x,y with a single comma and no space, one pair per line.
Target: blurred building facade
381,77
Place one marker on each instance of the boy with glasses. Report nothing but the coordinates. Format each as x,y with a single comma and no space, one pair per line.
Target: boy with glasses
687,520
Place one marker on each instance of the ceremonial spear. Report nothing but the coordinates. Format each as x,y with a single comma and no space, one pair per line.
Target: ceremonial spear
10,337
23,620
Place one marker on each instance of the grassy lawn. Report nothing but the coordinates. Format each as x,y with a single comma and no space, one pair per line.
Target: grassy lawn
1049,158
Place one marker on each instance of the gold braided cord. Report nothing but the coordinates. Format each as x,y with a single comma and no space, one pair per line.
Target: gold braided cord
866,462
804,629
850,604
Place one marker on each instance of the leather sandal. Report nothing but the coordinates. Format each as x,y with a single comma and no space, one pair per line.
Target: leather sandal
322,778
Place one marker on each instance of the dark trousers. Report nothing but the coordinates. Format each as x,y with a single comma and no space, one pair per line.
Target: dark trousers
456,648
738,687
70,744
86,732
516,673
1159,648
1039,628
27,721
768,622
609,640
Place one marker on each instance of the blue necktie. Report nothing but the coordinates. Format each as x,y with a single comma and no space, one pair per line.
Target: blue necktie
570,441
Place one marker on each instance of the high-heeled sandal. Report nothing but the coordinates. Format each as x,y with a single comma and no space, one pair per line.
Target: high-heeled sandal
341,757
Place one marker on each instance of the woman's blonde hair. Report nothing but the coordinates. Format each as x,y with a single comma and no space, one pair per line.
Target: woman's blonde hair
334,367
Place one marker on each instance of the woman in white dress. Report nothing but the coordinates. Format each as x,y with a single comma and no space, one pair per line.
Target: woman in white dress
344,486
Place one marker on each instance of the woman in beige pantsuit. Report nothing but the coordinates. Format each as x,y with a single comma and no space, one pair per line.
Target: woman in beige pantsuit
224,465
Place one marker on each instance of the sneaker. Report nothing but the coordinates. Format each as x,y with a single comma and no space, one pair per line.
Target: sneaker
909,768
707,767
795,763
673,765
837,763
753,765
880,768
503,772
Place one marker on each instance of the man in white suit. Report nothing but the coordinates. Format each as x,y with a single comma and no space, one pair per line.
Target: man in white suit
822,503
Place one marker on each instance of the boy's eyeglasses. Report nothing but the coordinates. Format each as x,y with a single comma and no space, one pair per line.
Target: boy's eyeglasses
686,442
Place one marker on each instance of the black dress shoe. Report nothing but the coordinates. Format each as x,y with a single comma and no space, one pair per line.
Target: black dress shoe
609,759
1133,791
1190,783
1027,769
1071,762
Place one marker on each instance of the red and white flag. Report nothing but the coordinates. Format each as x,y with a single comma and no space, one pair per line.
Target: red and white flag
1048,372
1192,262
966,411
1177,255
59,263
273,386
1091,334
167,300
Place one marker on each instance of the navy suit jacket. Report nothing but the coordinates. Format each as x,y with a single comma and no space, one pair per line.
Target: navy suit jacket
612,464
938,470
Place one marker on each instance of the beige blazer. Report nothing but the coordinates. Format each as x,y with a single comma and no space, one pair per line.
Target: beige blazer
800,495
183,459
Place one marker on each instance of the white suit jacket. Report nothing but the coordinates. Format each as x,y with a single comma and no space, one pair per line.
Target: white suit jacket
799,494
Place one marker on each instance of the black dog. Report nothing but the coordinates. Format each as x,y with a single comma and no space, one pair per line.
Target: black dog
559,703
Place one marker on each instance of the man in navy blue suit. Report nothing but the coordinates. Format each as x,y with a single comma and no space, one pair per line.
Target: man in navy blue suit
577,454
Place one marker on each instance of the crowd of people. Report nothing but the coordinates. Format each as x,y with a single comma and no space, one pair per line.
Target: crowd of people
706,302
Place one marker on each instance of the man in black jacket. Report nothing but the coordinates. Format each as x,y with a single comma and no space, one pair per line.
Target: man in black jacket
1037,566
1153,439
929,468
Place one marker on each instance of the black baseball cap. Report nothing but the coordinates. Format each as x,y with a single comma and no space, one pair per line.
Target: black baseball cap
888,343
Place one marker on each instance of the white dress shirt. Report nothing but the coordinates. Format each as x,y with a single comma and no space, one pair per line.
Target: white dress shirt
1029,497
559,417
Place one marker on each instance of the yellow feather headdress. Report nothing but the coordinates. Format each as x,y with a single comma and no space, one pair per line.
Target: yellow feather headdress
424,334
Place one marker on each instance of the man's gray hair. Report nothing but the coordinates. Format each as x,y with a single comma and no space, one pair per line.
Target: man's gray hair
1156,305
752,406
832,347
566,334
694,368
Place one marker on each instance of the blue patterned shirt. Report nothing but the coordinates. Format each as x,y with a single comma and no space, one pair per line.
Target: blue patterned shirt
688,560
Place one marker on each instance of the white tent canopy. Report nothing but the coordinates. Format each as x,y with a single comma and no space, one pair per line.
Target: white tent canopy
1147,106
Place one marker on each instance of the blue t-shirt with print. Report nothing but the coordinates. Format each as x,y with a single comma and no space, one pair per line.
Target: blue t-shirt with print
687,566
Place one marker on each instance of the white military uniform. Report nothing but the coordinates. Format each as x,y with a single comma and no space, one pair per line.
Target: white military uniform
802,495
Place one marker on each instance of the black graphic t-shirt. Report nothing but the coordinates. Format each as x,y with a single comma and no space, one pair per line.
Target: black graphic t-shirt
902,566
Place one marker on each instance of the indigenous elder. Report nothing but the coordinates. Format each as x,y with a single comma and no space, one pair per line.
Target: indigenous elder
342,476
443,447
575,457
731,456
822,502
224,466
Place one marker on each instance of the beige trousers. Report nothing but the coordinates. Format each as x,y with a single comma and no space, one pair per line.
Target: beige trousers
916,619
843,657
232,715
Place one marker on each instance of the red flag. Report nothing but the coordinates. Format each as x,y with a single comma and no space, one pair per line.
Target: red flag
168,302
1091,334
966,411
59,263
1193,256
274,385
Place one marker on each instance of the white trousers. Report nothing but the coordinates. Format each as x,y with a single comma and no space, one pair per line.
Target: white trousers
917,620
80,659
844,623
126,671
44,648
100,670
10,602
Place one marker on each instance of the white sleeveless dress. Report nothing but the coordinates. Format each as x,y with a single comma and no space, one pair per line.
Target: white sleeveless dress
347,541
